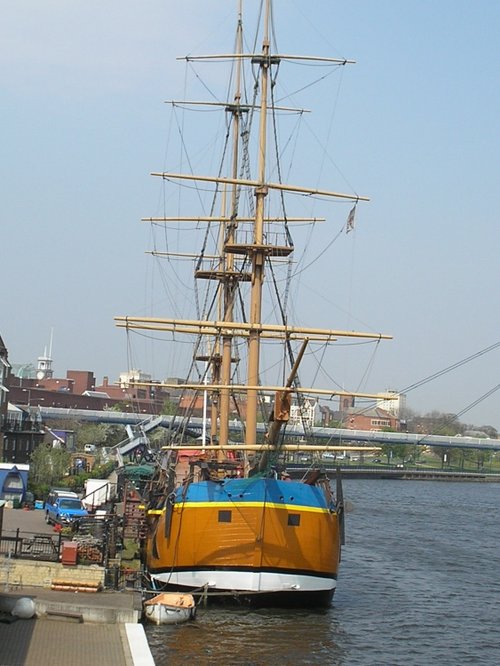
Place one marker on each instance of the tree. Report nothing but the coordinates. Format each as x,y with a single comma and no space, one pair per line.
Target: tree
91,433
169,407
102,434
48,465
436,423
490,431
398,451
449,456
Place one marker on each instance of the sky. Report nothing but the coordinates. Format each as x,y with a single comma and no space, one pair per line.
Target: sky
83,120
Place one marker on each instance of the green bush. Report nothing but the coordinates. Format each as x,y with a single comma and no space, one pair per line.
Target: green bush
39,490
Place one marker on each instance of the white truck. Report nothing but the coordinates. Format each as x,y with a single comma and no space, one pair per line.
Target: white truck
97,493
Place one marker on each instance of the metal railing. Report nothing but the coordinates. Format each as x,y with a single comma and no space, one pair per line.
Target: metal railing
97,543
31,546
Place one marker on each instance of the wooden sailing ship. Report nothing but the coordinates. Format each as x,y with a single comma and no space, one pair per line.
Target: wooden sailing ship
224,518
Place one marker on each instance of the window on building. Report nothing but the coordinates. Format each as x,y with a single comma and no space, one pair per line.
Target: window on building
380,423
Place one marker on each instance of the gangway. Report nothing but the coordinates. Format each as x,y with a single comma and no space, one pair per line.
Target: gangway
136,437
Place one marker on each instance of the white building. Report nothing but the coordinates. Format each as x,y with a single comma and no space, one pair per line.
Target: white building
305,415
127,378
394,405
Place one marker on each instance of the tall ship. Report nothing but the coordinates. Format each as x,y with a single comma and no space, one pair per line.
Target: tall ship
225,518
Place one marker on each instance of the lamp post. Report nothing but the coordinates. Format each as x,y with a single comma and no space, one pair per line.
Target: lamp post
35,398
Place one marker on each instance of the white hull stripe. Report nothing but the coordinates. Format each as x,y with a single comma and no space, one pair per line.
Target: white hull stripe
246,581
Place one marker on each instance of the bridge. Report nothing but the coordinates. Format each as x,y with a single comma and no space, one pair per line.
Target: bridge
329,436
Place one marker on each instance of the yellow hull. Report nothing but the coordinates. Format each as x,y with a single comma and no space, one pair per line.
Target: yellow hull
257,546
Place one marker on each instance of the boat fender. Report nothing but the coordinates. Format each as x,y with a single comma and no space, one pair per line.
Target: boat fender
24,608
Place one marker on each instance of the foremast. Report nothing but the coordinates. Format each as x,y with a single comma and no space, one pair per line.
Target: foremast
229,285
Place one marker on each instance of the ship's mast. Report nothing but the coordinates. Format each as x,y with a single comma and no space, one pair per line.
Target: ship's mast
258,256
229,271
229,285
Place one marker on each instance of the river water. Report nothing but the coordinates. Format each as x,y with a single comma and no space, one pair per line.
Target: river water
419,584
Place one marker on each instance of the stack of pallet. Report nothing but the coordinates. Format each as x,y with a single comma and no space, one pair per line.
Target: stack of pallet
89,549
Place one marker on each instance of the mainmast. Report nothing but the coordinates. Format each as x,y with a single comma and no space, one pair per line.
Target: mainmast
258,256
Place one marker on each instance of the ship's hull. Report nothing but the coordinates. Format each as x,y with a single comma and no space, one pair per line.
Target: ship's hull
255,537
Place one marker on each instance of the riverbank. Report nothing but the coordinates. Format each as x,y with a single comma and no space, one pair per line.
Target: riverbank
360,472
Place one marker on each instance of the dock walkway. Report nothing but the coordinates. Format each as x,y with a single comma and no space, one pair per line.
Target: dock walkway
74,628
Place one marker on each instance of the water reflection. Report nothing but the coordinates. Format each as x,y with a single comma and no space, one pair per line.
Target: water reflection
249,637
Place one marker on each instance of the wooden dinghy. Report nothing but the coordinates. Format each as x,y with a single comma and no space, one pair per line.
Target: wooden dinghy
170,608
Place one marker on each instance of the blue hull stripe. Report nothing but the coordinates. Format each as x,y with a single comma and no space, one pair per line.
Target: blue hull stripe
254,491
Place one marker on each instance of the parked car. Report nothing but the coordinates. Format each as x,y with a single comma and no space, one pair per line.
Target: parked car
63,507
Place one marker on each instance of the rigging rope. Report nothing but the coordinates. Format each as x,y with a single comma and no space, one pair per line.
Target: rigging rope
449,368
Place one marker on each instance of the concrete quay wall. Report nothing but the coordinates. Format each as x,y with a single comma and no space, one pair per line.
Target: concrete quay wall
31,573
51,608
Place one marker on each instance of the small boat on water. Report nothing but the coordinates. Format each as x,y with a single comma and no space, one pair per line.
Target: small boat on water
170,608
224,519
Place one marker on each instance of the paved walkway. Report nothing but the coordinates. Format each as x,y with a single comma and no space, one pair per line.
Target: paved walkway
106,637
66,641
63,643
